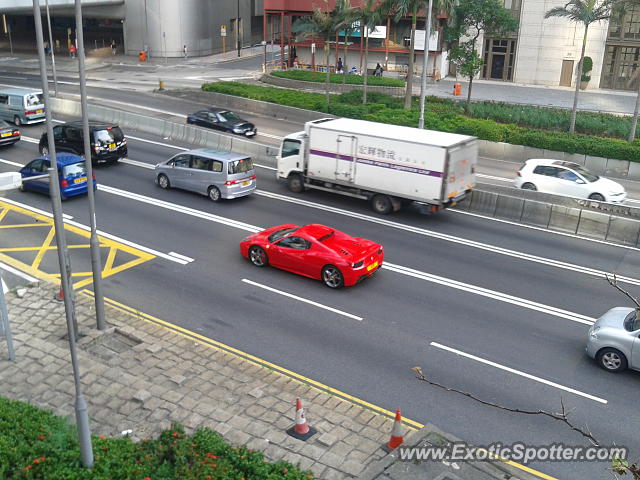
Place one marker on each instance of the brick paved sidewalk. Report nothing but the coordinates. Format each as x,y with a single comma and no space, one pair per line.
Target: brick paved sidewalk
141,376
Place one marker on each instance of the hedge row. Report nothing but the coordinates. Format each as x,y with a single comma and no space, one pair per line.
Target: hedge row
307,76
35,444
441,115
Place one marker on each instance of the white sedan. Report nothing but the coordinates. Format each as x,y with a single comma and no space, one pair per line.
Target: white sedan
567,178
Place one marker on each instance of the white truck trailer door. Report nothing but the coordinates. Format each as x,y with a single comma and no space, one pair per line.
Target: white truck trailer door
460,170
346,148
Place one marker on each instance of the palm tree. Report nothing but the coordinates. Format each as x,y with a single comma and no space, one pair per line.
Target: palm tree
585,12
401,9
323,23
348,15
369,15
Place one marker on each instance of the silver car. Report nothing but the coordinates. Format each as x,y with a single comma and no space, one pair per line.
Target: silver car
614,340
215,173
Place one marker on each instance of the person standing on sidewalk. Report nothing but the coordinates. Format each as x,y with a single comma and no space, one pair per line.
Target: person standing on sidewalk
73,50
114,47
184,51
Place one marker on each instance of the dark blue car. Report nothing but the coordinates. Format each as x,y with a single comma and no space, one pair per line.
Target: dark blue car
71,170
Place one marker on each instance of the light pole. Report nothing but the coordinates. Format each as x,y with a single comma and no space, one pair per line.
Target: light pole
94,243
82,417
238,26
53,57
425,60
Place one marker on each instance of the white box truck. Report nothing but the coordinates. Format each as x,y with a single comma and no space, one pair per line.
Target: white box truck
384,164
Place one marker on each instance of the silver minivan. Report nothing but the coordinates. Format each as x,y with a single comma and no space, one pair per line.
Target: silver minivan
22,106
215,173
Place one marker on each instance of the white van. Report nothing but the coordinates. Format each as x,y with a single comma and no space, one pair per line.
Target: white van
22,106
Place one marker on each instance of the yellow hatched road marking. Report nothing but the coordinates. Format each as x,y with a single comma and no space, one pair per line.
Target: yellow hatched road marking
114,247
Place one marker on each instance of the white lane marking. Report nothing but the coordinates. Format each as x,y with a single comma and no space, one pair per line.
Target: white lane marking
151,109
264,166
9,162
453,239
518,372
179,208
304,300
231,79
13,78
17,272
100,232
502,297
269,135
30,140
491,177
137,163
485,292
182,257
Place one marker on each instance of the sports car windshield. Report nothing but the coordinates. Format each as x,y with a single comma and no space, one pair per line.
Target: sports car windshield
274,237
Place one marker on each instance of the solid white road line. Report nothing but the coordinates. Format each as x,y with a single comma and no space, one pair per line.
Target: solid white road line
304,300
182,257
502,297
484,292
100,232
17,272
518,372
451,238
137,163
9,162
491,177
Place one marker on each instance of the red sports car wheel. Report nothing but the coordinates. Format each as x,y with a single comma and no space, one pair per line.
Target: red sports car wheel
332,277
258,256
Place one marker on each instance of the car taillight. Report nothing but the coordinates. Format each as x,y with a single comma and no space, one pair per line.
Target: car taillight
380,251
30,112
230,182
518,173
93,175
253,177
358,264
96,148
64,183
16,132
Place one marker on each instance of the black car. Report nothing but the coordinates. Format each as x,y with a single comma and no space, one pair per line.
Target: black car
108,144
224,120
8,133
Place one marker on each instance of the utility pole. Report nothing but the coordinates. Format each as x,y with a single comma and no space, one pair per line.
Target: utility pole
238,26
82,417
94,242
53,57
425,60
5,326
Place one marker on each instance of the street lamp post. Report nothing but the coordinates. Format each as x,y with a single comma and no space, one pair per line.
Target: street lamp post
82,417
238,26
94,243
53,57
425,60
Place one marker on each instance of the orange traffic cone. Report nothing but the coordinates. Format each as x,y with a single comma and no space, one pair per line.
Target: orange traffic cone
301,429
60,296
396,433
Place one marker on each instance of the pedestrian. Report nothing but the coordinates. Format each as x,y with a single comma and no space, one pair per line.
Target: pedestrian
47,49
73,50
114,47
57,44
184,51
378,71
340,66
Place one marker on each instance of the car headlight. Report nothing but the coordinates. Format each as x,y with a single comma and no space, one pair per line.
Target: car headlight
593,333
238,130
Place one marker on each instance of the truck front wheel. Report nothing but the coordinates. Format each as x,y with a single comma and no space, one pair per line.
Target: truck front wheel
295,183
381,204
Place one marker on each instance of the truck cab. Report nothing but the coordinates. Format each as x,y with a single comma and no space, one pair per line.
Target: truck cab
291,159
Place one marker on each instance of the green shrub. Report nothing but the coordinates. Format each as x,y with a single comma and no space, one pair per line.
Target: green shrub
35,444
307,76
516,124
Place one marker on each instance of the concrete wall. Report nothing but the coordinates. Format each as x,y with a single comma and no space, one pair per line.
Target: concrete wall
544,43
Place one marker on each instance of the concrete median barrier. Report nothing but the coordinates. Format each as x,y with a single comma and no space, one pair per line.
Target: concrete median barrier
509,208
483,202
623,230
564,219
593,224
536,213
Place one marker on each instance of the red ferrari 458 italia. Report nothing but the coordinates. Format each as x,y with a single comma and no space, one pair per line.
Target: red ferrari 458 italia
315,251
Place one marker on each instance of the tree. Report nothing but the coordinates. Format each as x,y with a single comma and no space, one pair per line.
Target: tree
401,9
369,15
323,23
472,18
585,12
348,15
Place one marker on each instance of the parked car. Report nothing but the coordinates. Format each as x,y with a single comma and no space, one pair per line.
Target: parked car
21,105
108,143
614,340
72,174
224,120
8,134
567,178
215,173
315,251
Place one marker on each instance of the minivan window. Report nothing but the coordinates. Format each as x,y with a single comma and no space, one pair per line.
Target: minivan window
109,135
217,166
33,99
290,147
240,166
4,99
74,169
200,163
